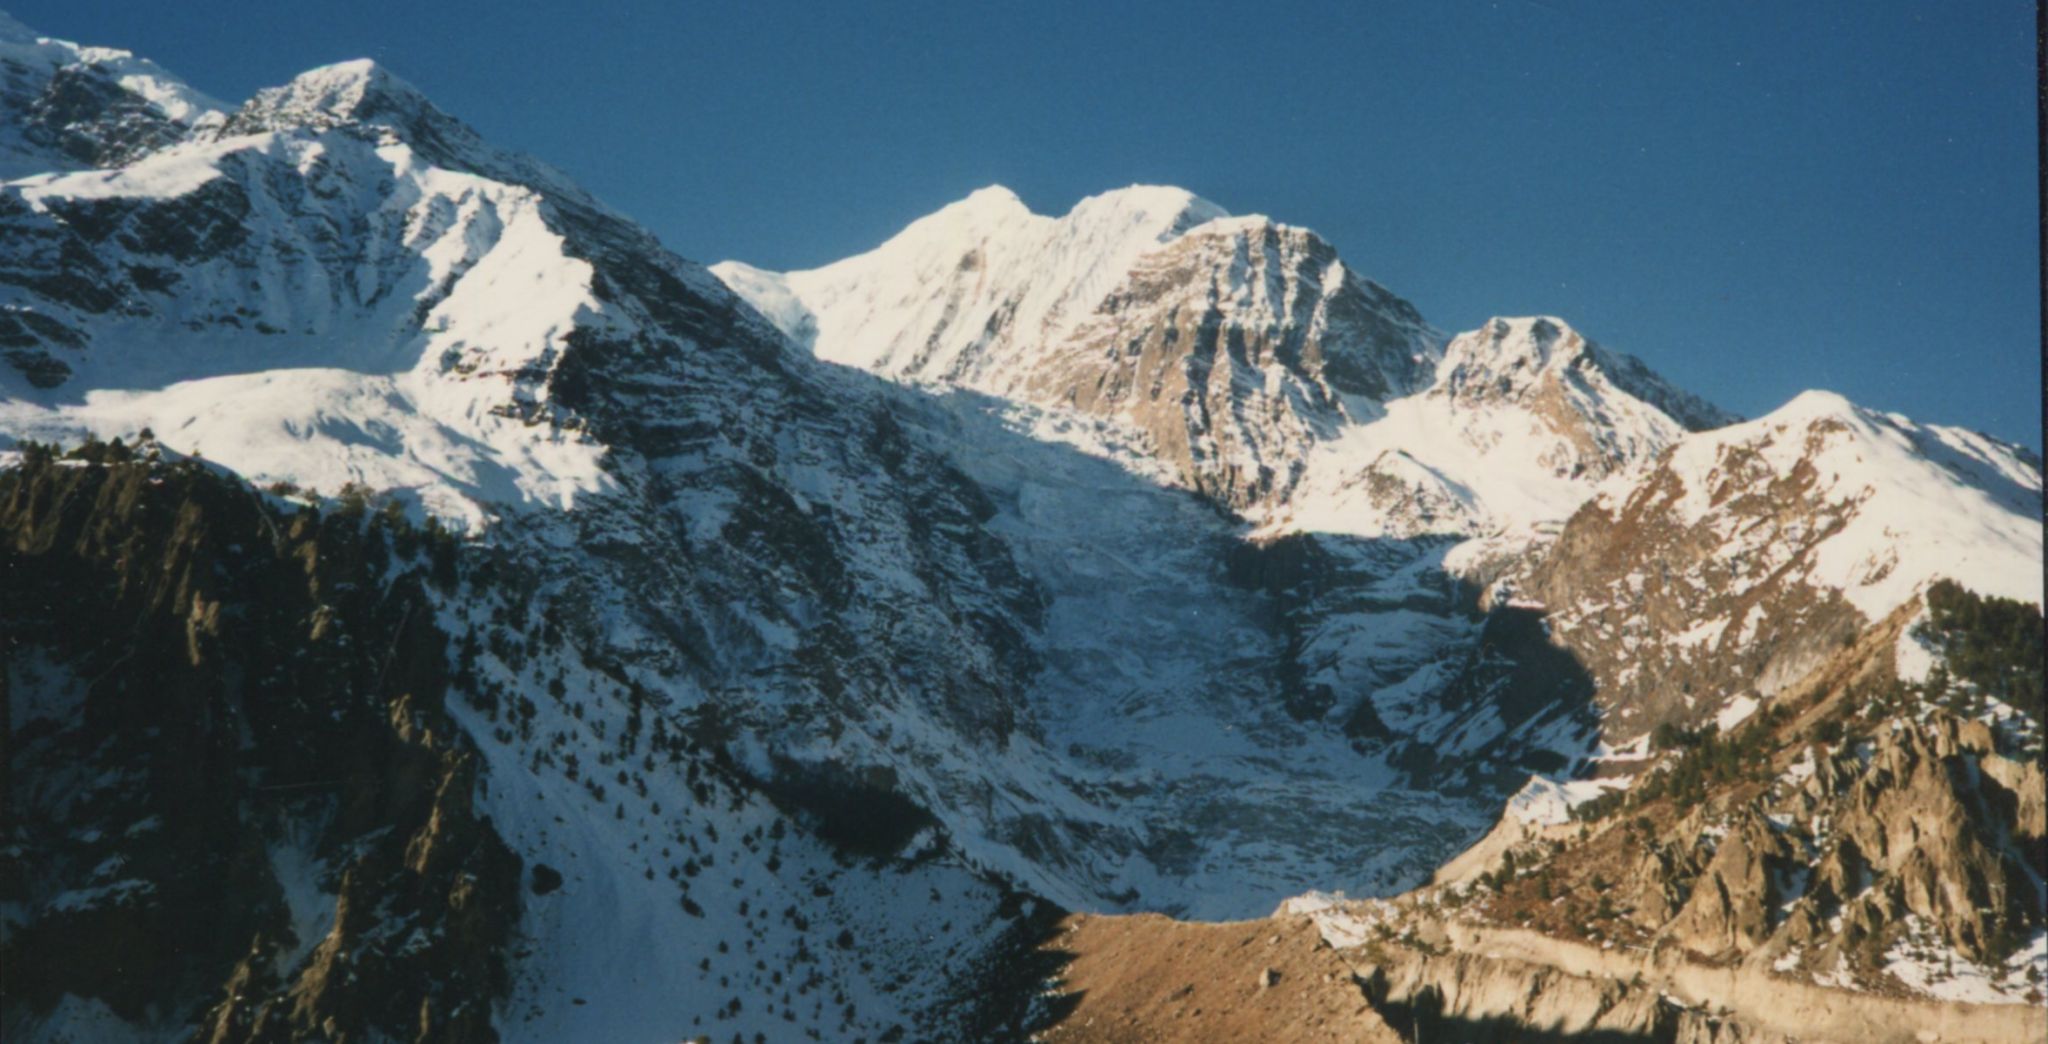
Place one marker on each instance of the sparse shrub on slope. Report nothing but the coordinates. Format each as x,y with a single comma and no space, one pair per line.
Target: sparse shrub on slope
1993,644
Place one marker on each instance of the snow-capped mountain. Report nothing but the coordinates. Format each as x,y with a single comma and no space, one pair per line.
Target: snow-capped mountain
817,632
339,292
1246,357
1523,419
1751,552
359,292
66,107
1229,346
343,290
1382,480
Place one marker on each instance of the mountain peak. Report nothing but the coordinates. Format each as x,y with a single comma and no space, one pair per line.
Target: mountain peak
1814,404
987,207
1510,350
73,107
356,91
991,196
1166,209
1510,355
352,79
1149,198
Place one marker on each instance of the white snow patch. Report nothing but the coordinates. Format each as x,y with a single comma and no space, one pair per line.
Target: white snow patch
1915,656
1737,711
1547,802
1927,966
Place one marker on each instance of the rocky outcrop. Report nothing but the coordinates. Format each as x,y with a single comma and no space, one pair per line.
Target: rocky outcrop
258,751
1729,910
1830,873
1749,555
1506,985
66,107
1236,348
1916,832
1848,835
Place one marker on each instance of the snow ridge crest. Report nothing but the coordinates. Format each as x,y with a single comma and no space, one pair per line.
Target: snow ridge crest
355,91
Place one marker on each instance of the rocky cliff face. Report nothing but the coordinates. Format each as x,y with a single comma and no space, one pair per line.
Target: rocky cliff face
1229,346
249,788
1852,837
1750,554
68,107
1235,348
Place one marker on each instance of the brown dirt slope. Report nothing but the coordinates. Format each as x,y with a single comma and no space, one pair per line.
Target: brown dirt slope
1148,979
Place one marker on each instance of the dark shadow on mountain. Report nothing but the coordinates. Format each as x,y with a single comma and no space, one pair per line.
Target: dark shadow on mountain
1009,994
192,678
1506,700
1541,692
861,814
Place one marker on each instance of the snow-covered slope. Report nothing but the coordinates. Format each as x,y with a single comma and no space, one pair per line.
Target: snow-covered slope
65,107
1914,501
1525,417
1228,346
967,292
383,312
1750,552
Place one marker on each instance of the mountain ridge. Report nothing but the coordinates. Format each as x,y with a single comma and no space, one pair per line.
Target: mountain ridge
1149,559
85,107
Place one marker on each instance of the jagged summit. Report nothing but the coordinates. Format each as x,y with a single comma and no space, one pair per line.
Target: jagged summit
178,100
1506,342
1229,343
1511,357
356,92
68,107
963,293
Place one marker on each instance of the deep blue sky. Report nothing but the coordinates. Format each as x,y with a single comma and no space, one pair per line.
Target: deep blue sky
1757,197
